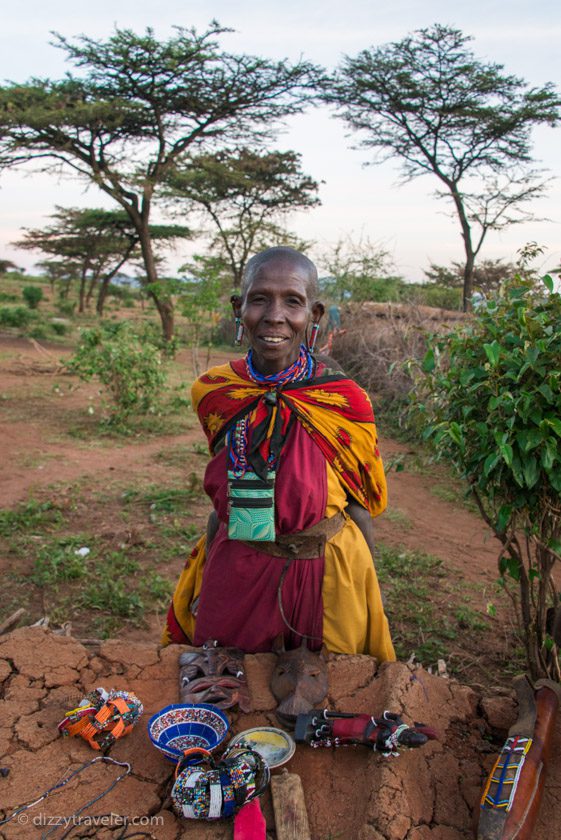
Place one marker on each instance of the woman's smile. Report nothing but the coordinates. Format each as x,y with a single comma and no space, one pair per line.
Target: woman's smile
276,312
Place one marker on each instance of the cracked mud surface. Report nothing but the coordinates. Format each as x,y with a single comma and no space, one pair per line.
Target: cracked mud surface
427,794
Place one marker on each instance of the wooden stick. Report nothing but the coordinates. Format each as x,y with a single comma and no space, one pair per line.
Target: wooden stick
291,818
11,621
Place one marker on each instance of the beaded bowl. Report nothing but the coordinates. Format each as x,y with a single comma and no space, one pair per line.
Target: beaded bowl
177,728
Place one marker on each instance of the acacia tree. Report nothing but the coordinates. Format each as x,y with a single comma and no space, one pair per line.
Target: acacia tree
355,268
136,106
488,275
244,194
92,244
430,102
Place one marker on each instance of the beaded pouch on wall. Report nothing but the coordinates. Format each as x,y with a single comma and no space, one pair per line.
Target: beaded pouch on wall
251,506
217,789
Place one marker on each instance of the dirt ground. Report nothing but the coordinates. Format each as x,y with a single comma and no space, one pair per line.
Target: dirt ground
50,450
88,476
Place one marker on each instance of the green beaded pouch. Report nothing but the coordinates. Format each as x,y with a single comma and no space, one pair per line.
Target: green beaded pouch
251,507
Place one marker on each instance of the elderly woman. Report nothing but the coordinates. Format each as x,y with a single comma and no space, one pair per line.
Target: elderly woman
295,478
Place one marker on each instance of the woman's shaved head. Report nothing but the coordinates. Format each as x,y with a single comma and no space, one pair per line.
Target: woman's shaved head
282,253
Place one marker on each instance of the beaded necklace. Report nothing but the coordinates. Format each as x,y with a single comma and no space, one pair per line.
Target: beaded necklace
300,369
251,478
237,437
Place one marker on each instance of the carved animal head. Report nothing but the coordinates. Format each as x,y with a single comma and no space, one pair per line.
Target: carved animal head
299,681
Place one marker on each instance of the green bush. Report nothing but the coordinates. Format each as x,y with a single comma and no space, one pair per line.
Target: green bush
489,400
131,369
6,297
39,332
66,308
32,295
443,297
15,316
123,292
58,328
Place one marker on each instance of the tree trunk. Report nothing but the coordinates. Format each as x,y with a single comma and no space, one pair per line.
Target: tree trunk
82,296
101,296
91,288
140,219
468,245
165,309
164,305
468,280
105,281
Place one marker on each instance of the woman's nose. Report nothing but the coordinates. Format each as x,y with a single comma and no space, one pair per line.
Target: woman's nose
275,311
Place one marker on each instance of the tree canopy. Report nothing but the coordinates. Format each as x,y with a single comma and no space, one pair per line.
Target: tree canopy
488,275
92,244
136,104
243,194
357,269
429,101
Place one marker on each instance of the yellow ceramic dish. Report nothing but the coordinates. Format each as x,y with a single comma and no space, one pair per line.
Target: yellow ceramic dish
274,745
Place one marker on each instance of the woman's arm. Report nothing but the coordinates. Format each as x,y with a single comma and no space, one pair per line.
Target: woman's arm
211,528
362,518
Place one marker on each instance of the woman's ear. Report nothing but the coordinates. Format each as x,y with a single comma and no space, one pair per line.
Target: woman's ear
318,310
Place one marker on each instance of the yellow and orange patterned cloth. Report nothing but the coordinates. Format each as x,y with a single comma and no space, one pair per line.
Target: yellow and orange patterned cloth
330,453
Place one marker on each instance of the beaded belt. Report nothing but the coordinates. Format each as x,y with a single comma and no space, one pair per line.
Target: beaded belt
303,544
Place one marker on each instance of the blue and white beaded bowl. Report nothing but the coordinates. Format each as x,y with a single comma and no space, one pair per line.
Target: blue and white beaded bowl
177,728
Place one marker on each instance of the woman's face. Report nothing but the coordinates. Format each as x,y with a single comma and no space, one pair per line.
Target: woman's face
275,312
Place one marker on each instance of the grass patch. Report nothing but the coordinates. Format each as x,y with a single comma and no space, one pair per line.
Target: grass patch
168,499
424,619
60,561
174,456
455,494
30,516
113,583
398,517
114,596
90,426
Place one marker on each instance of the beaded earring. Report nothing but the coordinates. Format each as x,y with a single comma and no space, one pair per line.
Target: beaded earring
314,336
239,331
236,302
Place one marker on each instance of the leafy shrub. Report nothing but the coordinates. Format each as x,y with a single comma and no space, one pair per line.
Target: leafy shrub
130,369
123,292
66,308
39,332
15,316
490,402
32,295
6,297
443,297
59,328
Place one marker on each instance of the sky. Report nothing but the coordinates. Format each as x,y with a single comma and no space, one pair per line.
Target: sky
358,201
